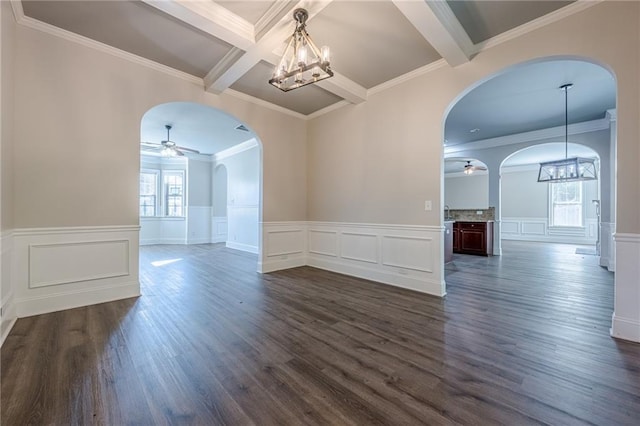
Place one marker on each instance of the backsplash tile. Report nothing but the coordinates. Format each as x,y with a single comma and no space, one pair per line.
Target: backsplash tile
461,215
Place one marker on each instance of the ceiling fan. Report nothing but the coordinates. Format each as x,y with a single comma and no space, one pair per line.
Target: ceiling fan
167,148
470,168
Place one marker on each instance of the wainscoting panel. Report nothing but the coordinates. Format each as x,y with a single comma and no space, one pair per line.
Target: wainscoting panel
163,230
199,224
360,247
626,315
284,245
219,229
538,229
407,252
323,242
403,256
63,268
49,264
533,228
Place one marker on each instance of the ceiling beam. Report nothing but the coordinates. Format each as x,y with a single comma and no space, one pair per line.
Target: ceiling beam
270,32
439,26
211,18
273,35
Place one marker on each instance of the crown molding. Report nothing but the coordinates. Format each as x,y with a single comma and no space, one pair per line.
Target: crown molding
236,149
557,15
35,24
408,76
260,102
535,135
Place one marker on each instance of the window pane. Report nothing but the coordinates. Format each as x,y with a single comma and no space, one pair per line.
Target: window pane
566,204
148,188
174,194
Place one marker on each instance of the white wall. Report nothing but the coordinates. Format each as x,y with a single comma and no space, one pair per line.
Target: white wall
199,212
219,200
243,198
467,191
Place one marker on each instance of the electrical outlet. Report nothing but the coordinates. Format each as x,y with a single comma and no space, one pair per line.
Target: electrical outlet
478,212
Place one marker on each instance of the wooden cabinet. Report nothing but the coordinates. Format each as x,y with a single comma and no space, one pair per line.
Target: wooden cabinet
473,238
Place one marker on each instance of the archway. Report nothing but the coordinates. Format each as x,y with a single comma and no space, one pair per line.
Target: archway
521,106
210,179
566,212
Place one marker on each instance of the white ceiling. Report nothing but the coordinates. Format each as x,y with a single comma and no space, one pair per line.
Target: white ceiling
194,126
232,46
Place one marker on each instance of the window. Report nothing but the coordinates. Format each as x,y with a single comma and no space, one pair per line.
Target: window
173,193
566,204
162,193
148,193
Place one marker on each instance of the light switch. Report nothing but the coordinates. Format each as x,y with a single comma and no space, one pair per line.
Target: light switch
427,205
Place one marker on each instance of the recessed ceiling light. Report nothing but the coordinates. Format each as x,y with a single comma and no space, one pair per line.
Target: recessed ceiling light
474,130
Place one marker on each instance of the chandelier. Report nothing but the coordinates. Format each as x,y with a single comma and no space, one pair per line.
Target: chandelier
302,62
567,169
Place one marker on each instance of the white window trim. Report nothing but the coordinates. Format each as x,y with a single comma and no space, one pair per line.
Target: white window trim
160,194
184,193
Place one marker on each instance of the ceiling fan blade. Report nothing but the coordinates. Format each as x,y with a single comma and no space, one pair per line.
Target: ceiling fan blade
178,152
479,168
195,151
151,148
150,144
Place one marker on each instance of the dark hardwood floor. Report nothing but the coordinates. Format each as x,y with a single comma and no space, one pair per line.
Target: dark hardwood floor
520,339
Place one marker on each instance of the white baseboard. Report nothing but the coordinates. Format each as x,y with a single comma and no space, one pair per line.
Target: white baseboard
243,247
384,277
625,328
273,265
54,302
219,229
155,241
199,241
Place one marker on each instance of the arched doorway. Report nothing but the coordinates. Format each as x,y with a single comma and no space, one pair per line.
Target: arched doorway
201,179
522,106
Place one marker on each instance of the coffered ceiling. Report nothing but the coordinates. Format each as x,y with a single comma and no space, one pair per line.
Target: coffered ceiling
232,45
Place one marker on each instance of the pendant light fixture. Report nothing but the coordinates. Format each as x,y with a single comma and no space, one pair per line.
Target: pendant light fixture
568,169
302,62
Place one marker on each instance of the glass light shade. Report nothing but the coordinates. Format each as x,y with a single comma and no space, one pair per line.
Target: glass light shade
325,53
302,56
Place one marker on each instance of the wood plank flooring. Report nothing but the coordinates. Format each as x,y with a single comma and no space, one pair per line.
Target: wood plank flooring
520,339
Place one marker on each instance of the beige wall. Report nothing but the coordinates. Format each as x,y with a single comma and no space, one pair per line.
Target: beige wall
78,113
6,114
378,162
